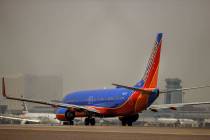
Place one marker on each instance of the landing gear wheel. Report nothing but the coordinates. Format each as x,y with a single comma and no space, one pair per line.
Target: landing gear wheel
71,122
65,123
92,121
128,120
129,123
123,123
87,121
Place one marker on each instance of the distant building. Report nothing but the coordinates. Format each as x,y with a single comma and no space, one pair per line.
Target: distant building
3,109
3,106
176,96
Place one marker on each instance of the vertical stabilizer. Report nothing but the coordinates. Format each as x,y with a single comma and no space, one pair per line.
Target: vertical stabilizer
3,88
150,77
25,108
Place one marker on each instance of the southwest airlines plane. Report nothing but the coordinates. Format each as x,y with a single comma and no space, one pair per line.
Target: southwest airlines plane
125,102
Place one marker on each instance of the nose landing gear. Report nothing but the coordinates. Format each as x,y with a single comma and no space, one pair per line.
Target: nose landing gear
70,117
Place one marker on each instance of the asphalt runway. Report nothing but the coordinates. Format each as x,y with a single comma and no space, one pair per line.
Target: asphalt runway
40,132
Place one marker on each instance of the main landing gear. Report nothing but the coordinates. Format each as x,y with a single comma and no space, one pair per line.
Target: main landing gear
70,122
90,121
71,115
128,120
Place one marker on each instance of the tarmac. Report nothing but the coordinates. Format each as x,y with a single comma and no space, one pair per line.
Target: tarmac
42,132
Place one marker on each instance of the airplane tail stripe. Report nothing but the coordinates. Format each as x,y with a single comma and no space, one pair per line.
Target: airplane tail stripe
153,82
151,74
154,57
151,60
153,71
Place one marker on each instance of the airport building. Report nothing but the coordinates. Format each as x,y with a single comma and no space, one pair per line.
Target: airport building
3,105
3,109
176,96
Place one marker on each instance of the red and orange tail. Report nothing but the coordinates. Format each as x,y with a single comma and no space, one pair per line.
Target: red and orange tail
150,77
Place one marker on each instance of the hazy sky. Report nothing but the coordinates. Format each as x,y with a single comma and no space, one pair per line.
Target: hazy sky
92,43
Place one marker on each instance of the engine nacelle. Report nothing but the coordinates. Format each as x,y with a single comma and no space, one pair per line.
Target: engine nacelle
153,110
173,108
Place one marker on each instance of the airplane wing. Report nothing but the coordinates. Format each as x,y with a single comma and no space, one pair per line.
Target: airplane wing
155,108
183,89
19,119
53,104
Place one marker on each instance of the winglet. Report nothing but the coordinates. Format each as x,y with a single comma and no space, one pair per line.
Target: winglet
3,88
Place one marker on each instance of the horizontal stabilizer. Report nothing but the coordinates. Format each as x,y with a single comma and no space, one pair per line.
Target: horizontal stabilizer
144,91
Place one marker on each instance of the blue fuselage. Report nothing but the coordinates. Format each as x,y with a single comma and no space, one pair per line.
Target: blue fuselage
103,98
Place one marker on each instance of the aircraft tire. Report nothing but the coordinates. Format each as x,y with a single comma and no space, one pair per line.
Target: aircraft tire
128,120
71,122
92,121
123,123
65,123
130,123
87,121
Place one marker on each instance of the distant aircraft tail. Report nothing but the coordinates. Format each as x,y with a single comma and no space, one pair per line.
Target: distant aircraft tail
150,76
25,108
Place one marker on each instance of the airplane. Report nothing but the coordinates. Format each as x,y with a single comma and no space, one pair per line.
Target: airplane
32,118
125,102
175,120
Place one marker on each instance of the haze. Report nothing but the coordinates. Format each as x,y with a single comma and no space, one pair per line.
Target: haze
93,43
